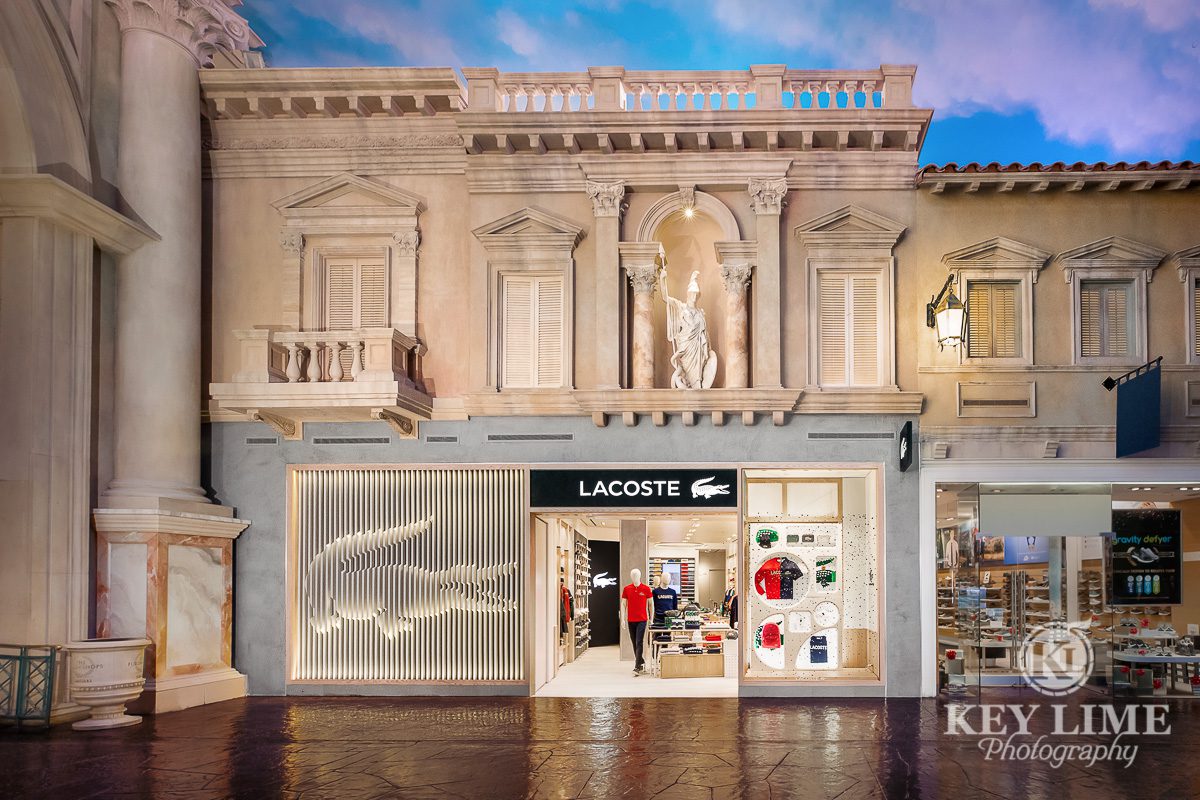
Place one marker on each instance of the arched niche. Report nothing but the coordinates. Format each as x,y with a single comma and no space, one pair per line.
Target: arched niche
672,204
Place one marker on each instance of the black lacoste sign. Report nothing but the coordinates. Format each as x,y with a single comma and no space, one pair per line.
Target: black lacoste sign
633,488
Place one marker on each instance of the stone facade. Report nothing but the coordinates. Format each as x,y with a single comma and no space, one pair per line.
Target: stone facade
408,252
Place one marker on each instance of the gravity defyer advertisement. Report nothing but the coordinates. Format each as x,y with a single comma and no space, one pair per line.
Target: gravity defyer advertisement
1146,557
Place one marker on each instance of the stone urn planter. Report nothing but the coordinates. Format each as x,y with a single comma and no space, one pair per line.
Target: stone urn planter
105,675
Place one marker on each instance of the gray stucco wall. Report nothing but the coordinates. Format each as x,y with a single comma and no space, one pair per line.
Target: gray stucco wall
251,478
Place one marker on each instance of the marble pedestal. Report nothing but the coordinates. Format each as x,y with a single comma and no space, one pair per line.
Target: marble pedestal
168,576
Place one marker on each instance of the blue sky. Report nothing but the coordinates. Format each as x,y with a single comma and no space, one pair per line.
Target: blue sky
1010,80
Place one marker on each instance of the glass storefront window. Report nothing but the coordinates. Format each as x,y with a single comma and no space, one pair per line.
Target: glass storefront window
811,595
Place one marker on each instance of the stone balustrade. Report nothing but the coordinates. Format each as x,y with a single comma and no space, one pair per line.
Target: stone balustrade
762,87
364,355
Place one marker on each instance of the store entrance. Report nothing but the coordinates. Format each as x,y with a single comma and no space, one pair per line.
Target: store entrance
582,564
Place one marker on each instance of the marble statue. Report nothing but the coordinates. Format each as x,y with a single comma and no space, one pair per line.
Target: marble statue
353,578
693,362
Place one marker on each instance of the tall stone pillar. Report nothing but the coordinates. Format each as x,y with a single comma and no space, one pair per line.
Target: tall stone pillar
635,554
164,552
644,279
766,195
606,205
737,335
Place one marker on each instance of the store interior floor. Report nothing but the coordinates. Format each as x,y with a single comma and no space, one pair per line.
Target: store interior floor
598,672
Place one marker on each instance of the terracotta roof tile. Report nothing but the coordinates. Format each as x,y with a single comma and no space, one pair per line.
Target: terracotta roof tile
1058,166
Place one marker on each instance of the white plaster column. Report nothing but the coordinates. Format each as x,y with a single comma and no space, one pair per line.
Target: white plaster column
607,206
644,280
737,335
634,554
157,380
291,242
766,196
404,281
164,565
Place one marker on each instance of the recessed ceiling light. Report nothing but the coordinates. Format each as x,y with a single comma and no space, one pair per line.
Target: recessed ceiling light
995,491
1147,488
1136,489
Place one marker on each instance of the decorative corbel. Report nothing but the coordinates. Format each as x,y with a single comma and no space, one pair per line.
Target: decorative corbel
402,425
292,430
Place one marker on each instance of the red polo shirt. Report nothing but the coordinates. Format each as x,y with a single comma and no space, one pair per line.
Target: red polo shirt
635,598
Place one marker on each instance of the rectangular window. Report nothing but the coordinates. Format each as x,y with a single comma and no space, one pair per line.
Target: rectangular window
356,293
532,336
993,319
849,331
1106,319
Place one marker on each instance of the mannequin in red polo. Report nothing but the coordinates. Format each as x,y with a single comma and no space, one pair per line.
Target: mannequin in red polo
635,610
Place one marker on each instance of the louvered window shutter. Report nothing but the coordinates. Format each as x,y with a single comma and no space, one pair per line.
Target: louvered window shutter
832,333
848,335
517,327
1196,317
992,323
339,293
864,329
1105,324
549,332
373,294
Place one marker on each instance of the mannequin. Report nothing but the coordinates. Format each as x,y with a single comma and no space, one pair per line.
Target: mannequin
665,599
635,605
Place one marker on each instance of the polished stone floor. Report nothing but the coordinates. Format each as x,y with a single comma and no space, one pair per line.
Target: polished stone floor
568,747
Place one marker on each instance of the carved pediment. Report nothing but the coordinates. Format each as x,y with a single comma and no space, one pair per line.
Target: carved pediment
1113,254
850,227
998,253
530,228
350,191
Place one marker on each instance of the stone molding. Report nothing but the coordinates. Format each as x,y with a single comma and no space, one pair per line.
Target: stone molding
766,194
47,197
200,26
606,198
415,141
137,520
1111,257
643,277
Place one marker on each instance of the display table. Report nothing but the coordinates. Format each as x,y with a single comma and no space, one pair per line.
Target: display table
685,665
691,665
1173,663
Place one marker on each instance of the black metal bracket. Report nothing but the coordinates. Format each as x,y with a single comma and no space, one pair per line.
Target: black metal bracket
1111,383
931,307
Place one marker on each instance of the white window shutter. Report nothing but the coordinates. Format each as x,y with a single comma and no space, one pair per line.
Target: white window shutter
832,329
992,323
373,294
864,329
549,332
339,293
517,352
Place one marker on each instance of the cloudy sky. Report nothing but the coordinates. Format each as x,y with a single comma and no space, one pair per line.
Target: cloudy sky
1010,80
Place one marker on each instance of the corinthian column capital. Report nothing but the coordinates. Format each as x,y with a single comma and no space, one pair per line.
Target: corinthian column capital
407,242
200,26
292,242
643,278
606,198
766,194
736,277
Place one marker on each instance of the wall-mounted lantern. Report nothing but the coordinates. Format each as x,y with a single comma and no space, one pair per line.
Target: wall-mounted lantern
948,315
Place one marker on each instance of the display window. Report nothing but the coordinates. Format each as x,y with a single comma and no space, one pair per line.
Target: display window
812,547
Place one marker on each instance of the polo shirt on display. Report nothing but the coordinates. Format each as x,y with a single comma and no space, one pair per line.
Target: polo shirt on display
775,578
635,597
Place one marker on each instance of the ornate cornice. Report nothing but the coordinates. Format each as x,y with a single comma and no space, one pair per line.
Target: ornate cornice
200,26
606,198
407,242
736,276
643,278
766,194
414,141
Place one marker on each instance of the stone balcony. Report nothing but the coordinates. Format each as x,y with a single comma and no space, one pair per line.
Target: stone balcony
287,378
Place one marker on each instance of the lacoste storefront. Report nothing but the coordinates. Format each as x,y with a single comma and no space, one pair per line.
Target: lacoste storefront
447,578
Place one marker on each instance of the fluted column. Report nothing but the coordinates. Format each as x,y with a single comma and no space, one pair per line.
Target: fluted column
766,196
606,206
644,280
737,354
157,381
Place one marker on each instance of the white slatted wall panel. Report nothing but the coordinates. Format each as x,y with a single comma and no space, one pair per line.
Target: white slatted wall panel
451,595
